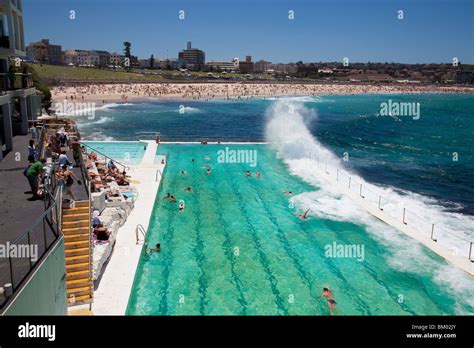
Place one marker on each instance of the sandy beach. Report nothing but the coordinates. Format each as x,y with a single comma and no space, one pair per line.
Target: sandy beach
106,93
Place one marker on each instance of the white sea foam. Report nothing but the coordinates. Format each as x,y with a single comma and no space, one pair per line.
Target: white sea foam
287,132
98,136
81,111
187,110
102,119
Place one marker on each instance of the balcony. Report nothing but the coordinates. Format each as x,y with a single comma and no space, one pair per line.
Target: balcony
15,82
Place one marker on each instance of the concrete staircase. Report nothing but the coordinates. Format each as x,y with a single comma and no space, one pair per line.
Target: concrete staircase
78,251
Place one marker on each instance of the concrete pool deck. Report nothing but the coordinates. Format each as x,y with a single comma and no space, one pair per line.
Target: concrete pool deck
111,296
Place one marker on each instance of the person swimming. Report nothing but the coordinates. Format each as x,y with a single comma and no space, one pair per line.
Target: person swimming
156,249
257,175
247,173
303,216
287,193
330,301
182,172
208,171
172,199
181,205
168,196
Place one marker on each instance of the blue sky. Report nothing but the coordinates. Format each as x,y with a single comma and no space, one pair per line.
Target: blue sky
432,31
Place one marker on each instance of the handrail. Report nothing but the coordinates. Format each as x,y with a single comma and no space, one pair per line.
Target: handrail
343,175
91,245
106,157
141,229
40,224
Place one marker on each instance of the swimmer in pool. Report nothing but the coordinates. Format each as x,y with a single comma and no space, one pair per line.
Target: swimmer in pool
303,216
189,189
208,172
288,193
329,299
181,205
182,172
172,199
168,196
247,173
257,175
157,249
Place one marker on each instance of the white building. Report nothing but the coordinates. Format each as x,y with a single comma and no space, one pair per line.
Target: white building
222,65
20,102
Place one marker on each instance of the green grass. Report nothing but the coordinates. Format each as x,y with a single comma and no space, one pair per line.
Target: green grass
54,74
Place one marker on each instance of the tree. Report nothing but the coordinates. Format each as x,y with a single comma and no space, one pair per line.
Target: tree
152,61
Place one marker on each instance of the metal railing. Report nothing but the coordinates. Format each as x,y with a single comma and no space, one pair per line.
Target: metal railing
31,246
395,209
140,229
124,167
16,81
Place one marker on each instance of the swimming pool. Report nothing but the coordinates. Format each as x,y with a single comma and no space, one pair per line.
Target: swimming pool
126,152
239,248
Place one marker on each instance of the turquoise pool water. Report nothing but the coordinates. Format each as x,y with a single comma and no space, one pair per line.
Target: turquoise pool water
126,152
239,248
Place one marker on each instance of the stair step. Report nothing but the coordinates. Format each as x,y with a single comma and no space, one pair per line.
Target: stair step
76,217
79,289
76,237
70,260
75,230
79,299
76,245
81,204
84,273
74,211
71,224
76,266
75,282
77,251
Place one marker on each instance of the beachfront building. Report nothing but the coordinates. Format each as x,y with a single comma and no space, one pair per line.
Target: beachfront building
279,68
116,59
193,58
70,57
45,52
168,64
222,66
88,58
104,58
19,100
247,66
261,66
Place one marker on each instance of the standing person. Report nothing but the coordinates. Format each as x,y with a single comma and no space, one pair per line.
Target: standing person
55,143
31,149
63,159
76,152
32,174
67,177
329,299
